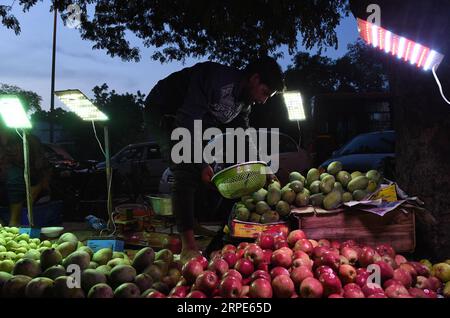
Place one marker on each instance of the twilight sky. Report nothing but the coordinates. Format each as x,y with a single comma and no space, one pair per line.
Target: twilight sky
25,60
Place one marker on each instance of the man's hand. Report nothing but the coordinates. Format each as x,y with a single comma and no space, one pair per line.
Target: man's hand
207,174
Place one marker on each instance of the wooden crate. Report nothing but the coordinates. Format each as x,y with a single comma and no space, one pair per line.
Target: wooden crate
396,228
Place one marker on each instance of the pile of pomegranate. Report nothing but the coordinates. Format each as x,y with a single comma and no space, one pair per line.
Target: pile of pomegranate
293,266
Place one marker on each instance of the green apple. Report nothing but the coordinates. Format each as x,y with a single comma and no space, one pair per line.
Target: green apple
442,271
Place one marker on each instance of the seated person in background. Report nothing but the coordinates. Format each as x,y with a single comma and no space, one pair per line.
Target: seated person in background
12,171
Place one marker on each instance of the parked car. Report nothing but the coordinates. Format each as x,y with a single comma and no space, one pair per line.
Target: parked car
375,150
137,169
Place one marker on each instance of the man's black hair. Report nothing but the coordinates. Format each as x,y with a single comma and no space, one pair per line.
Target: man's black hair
269,71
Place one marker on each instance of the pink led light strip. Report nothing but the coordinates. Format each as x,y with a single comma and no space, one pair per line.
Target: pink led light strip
405,49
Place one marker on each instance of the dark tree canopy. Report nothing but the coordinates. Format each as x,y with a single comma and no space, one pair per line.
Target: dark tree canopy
31,99
229,31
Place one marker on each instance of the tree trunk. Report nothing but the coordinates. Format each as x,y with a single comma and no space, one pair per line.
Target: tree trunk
421,117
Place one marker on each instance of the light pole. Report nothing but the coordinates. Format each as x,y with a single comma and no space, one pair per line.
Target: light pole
14,116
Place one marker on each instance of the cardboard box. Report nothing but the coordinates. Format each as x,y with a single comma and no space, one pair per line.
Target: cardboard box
396,227
240,229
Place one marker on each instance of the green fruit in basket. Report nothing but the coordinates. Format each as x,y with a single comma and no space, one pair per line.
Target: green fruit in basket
302,198
297,186
313,175
255,218
343,177
86,249
446,291
259,195
39,287
33,254
92,265
46,244
250,204
6,266
273,196
323,175
372,186
122,274
332,200
91,277
101,291
326,185
50,257
317,199
4,277
261,207
274,184
144,258
296,176
442,271
270,217
283,208
427,263
374,175
22,237
356,174
358,183
127,290
338,187
102,256
239,205
54,272
334,167
243,214
15,286
80,258
359,195
314,188
66,248
68,237
347,197
27,267
288,195
105,269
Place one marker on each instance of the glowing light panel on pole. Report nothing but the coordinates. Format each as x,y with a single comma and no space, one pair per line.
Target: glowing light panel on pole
401,47
13,112
77,102
294,105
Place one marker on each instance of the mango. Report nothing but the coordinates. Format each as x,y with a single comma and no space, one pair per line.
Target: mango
259,195
334,167
101,291
102,256
332,200
358,183
261,207
313,175
273,196
145,257
296,176
297,186
288,195
283,208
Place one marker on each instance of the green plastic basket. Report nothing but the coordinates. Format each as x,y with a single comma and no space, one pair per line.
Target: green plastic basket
241,179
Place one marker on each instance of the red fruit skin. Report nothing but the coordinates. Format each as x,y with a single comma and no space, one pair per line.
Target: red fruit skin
203,261
324,242
299,274
218,266
281,258
242,245
230,287
353,293
331,284
156,294
267,256
245,267
261,288
347,274
304,245
266,241
260,274
229,248
361,279
294,236
391,282
396,291
351,286
385,249
311,288
191,270
403,276
371,289
233,273
323,269
379,295
196,294
276,271
335,296
230,258
386,271
240,254
263,266
434,283
207,282
283,286
180,291
254,253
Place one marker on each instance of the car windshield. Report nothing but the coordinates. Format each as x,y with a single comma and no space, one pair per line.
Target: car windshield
370,143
